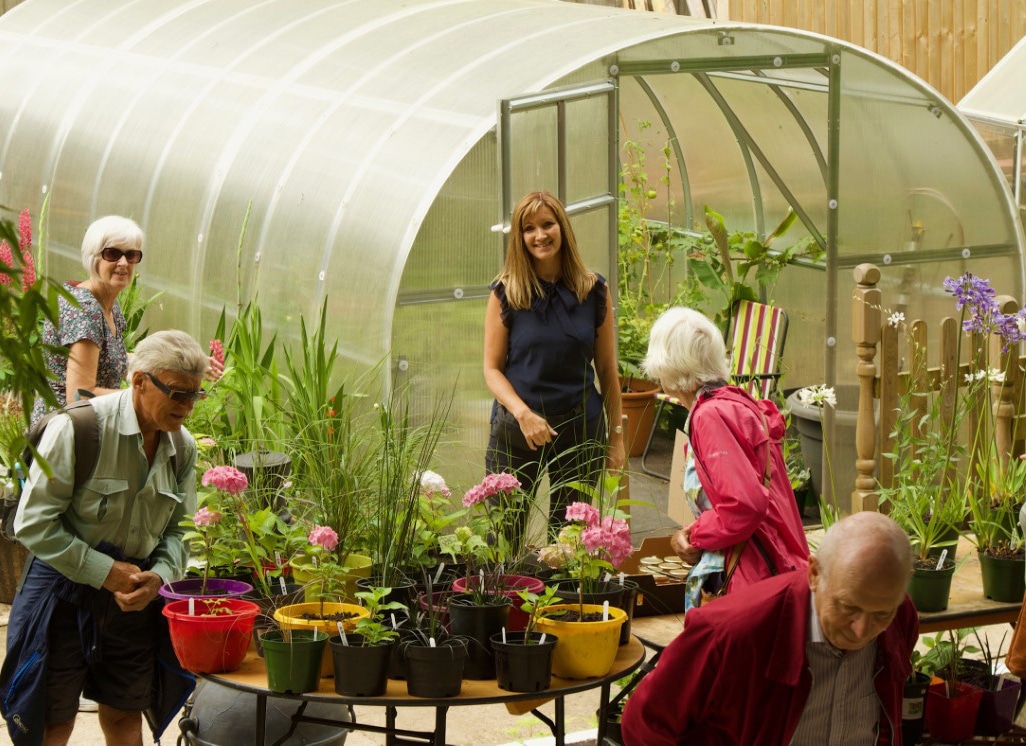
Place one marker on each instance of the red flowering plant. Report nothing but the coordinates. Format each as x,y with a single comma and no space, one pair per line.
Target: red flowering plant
229,534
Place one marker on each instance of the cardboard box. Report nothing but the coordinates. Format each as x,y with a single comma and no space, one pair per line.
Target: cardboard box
656,594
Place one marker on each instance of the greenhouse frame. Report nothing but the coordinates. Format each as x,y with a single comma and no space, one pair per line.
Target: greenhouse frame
366,154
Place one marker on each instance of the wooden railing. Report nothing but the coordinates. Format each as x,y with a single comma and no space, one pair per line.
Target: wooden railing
885,375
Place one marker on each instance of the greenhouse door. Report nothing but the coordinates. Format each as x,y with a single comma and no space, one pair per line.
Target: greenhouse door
564,141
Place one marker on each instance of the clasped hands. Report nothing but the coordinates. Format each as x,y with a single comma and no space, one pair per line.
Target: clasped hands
681,544
132,587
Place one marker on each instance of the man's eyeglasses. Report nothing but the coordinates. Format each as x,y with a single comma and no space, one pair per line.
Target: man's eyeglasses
173,394
134,256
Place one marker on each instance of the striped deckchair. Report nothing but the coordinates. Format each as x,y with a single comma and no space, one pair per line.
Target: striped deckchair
756,340
756,346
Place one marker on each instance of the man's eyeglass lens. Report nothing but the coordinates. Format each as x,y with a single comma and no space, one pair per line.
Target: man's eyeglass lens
177,395
134,256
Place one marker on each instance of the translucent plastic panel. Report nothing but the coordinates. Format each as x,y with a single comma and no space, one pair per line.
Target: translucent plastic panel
1001,140
893,179
587,121
533,150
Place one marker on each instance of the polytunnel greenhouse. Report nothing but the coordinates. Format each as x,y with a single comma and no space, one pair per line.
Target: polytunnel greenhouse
367,154
997,107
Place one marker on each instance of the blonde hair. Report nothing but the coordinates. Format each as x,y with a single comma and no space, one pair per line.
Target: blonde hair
518,273
685,351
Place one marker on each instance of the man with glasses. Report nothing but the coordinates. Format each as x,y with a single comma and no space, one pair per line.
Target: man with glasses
87,617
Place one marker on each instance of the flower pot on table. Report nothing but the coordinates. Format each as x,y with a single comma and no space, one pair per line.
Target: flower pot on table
324,617
304,572
360,670
293,659
1004,579
476,624
929,588
435,672
585,649
511,585
521,665
210,635
186,588
950,719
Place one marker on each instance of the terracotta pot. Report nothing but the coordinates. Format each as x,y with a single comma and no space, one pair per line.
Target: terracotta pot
638,403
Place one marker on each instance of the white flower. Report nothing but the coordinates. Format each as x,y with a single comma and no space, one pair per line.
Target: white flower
996,376
896,318
432,483
817,396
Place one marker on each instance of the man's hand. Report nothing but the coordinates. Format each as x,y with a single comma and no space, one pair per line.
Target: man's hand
132,588
681,543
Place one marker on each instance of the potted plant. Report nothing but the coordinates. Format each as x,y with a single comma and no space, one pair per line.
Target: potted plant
952,704
361,659
993,519
523,660
434,659
210,635
1000,692
293,658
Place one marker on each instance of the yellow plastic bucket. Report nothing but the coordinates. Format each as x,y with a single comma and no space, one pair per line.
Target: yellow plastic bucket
585,650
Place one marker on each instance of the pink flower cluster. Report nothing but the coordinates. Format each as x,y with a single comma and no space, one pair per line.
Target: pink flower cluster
491,485
612,537
217,351
324,536
225,478
206,517
583,512
28,264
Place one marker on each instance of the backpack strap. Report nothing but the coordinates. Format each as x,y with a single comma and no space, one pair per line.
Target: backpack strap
86,426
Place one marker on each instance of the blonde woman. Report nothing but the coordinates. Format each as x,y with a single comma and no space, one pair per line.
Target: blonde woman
549,338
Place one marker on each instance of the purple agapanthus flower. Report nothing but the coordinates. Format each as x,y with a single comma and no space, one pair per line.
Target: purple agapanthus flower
980,311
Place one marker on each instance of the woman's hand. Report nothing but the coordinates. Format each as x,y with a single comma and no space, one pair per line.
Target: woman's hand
616,455
681,543
536,429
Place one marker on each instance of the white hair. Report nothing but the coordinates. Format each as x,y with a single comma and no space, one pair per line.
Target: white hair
170,350
685,351
112,230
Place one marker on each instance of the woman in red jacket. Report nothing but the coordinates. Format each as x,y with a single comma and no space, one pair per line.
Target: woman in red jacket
735,480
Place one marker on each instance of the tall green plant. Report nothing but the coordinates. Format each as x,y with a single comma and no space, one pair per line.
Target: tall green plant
405,450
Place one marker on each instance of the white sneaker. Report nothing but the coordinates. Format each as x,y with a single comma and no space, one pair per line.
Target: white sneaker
87,705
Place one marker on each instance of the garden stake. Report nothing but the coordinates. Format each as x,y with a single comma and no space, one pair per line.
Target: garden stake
503,635
192,607
431,642
605,611
342,634
943,556
542,640
281,582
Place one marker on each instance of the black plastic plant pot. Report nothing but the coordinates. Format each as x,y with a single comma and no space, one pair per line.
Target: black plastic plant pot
913,703
523,667
477,624
435,672
929,589
360,670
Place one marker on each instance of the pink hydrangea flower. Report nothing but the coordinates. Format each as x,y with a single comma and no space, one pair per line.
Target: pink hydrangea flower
206,517
324,536
217,350
581,511
612,538
491,485
206,442
225,478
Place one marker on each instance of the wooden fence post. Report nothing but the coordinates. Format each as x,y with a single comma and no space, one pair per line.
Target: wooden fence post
865,319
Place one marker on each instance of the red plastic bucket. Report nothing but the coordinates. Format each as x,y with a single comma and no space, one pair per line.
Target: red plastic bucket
215,638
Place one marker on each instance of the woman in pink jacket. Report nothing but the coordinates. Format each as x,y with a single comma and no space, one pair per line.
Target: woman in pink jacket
735,480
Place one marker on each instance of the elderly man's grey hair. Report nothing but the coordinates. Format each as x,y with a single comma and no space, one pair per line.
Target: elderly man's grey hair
112,230
862,537
685,351
170,350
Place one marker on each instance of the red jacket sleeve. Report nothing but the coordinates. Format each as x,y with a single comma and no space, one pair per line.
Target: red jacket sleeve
726,452
669,702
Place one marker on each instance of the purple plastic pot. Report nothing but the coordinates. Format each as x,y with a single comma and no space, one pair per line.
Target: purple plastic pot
178,590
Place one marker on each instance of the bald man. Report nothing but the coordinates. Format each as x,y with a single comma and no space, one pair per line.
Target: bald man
797,660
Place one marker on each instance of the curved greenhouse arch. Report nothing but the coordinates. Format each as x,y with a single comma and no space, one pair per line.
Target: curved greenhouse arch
376,148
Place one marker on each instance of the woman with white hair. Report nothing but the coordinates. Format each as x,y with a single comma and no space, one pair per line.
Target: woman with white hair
735,480
93,331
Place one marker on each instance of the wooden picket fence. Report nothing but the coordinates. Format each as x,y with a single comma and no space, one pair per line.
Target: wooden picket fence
887,371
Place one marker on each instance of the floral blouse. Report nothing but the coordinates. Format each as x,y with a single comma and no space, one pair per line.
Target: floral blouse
75,325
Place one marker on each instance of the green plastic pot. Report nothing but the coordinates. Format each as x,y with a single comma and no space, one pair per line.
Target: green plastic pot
293,663
929,589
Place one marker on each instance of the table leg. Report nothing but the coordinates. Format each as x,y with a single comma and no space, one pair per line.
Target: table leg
261,719
603,713
440,716
560,722
390,739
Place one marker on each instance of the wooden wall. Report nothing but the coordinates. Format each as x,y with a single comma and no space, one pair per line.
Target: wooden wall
951,44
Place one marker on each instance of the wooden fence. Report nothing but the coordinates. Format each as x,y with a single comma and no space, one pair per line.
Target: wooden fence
951,44
903,367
